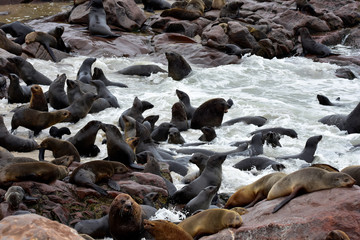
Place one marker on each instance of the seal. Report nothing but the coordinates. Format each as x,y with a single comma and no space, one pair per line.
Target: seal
178,68
249,195
175,136
255,120
260,163
185,99
57,32
84,72
202,201
349,123
337,235
208,135
310,46
90,173
210,221
32,171
165,230
323,100
37,120
9,45
141,70
354,172
59,132
280,130
80,107
211,176
178,116
188,10
230,9
59,148
45,39
306,7
125,218
38,100
308,153
240,149
103,92
28,73
3,87
17,30
307,180
118,150
16,92
210,113
99,75
14,196
84,139
57,96
218,4
97,20
161,132
200,161
95,228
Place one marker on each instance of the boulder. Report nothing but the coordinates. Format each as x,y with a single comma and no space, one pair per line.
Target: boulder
241,36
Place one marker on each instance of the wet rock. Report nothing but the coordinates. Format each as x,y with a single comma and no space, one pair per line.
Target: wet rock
345,73
310,216
216,33
353,39
241,36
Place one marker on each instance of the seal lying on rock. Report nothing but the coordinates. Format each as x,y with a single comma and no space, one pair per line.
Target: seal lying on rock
165,230
312,47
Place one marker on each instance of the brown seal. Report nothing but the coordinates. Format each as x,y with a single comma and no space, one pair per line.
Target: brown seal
44,39
165,230
250,194
210,221
59,148
125,218
9,45
178,67
37,120
178,116
354,172
307,180
38,100
337,235
90,173
189,10
80,107
32,171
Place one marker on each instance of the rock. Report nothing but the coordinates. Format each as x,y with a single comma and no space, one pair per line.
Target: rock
345,73
216,33
183,27
241,36
33,226
310,216
349,14
353,39
37,50
79,14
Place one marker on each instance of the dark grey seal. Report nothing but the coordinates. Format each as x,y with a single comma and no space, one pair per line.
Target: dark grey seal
99,75
57,96
141,70
259,163
84,73
16,92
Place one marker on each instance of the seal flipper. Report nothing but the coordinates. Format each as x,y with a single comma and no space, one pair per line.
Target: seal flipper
296,192
136,166
114,185
98,189
41,154
52,55
258,198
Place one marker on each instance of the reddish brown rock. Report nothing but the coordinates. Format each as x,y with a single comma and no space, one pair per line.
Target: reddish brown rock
310,216
241,36
217,33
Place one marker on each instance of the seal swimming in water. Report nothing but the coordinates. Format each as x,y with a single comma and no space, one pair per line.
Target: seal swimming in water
175,136
255,120
161,132
103,92
165,230
16,92
323,100
141,70
259,163
208,135
59,148
57,97
99,75
178,116
312,47
307,180
178,68
282,131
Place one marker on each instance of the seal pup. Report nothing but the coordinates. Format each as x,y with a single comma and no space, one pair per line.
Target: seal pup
57,96
210,113
178,68
185,99
210,221
28,73
59,148
178,116
45,39
9,45
84,72
141,70
255,120
14,196
202,201
59,132
103,92
99,75
247,196
90,173
260,163
80,107
125,218
17,30
308,153
97,20
310,46
337,235
280,130
165,230
307,180
84,139
37,120
95,228
349,123
16,92
175,136
211,176
38,100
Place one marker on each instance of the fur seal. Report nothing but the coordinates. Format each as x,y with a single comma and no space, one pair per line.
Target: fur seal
103,92
9,45
57,32
200,160
307,180
354,172
229,9
211,176
32,171
16,92
349,122
178,116
151,5
59,148
3,87
97,20
45,39
141,70
38,100
208,135
14,143
59,132
259,163
99,75
90,173
210,221
37,120
210,113
255,120
165,230
282,131
118,150
249,195
202,201
125,218
84,72
337,235
95,228
14,196
310,46
28,73
56,94
84,139
175,136
186,10
323,100
17,30
255,147
161,132
241,148
80,107
185,99
308,153
305,6
178,68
